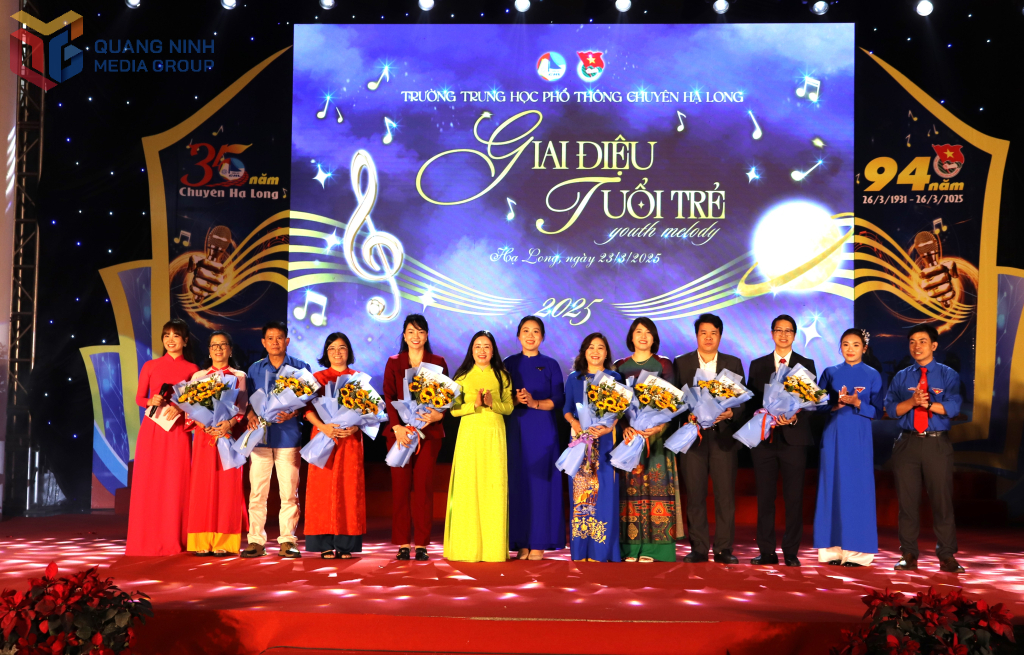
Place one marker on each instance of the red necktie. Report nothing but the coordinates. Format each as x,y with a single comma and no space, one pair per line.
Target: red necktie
782,361
920,413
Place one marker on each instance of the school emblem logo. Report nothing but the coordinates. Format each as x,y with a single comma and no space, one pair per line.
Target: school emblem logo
591,66
859,389
551,66
936,391
948,160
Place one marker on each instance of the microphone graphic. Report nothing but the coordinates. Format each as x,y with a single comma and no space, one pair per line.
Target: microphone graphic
166,390
929,250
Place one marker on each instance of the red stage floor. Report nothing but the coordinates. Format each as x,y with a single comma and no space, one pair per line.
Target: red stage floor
373,603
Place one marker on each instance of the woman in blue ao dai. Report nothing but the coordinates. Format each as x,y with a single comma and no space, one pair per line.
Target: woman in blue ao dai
845,525
595,487
536,518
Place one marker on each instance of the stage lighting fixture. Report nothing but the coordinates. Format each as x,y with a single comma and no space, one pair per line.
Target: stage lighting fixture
925,8
426,5
133,4
720,6
819,8
229,4
327,4
623,5
522,5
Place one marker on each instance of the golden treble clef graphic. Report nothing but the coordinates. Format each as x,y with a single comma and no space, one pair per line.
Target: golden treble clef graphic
380,255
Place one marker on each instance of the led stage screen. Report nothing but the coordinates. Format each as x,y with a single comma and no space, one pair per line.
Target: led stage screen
587,174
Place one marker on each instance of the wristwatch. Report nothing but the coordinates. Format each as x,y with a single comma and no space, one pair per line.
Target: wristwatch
929,407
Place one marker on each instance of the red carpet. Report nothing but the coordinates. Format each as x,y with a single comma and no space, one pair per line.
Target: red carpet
375,604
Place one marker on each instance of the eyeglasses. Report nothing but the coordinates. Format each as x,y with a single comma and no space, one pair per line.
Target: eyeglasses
336,350
219,346
789,332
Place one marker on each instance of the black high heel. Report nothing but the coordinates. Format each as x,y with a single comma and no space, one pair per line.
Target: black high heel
403,554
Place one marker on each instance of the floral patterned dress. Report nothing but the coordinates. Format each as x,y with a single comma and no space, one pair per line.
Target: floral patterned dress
649,494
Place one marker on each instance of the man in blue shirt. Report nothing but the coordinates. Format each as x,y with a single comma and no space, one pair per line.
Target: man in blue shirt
924,398
279,451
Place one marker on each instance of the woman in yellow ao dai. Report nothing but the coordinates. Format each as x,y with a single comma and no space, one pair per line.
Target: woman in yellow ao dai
476,522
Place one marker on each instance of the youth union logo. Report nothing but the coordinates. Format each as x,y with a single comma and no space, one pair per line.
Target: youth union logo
948,160
57,48
591,66
551,66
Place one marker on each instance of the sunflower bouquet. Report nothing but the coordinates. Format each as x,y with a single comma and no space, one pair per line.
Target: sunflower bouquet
788,391
605,401
655,402
708,398
426,388
347,402
291,390
208,400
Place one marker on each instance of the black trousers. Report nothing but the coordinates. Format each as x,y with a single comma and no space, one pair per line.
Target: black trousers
770,459
703,458
930,458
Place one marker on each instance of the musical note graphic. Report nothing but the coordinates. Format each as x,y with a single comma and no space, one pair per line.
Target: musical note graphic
388,123
799,175
323,112
219,131
681,116
382,253
908,140
935,130
511,212
938,226
757,128
184,238
384,75
813,94
929,133
858,178
339,114
910,114
319,299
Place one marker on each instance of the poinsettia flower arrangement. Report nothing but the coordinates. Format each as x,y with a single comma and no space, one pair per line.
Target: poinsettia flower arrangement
78,614
928,623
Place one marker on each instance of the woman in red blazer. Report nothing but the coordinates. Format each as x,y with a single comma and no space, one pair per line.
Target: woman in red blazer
412,486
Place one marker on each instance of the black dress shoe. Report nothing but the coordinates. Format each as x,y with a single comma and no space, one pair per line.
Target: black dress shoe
791,560
421,555
254,550
726,557
835,562
403,554
950,565
765,560
289,551
695,558
851,564
906,563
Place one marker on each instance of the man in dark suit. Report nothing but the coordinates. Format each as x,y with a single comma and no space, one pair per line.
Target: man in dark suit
714,453
785,451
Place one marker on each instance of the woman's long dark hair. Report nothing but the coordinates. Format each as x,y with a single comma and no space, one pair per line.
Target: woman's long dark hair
496,364
418,321
180,327
580,363
232,362
325,361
